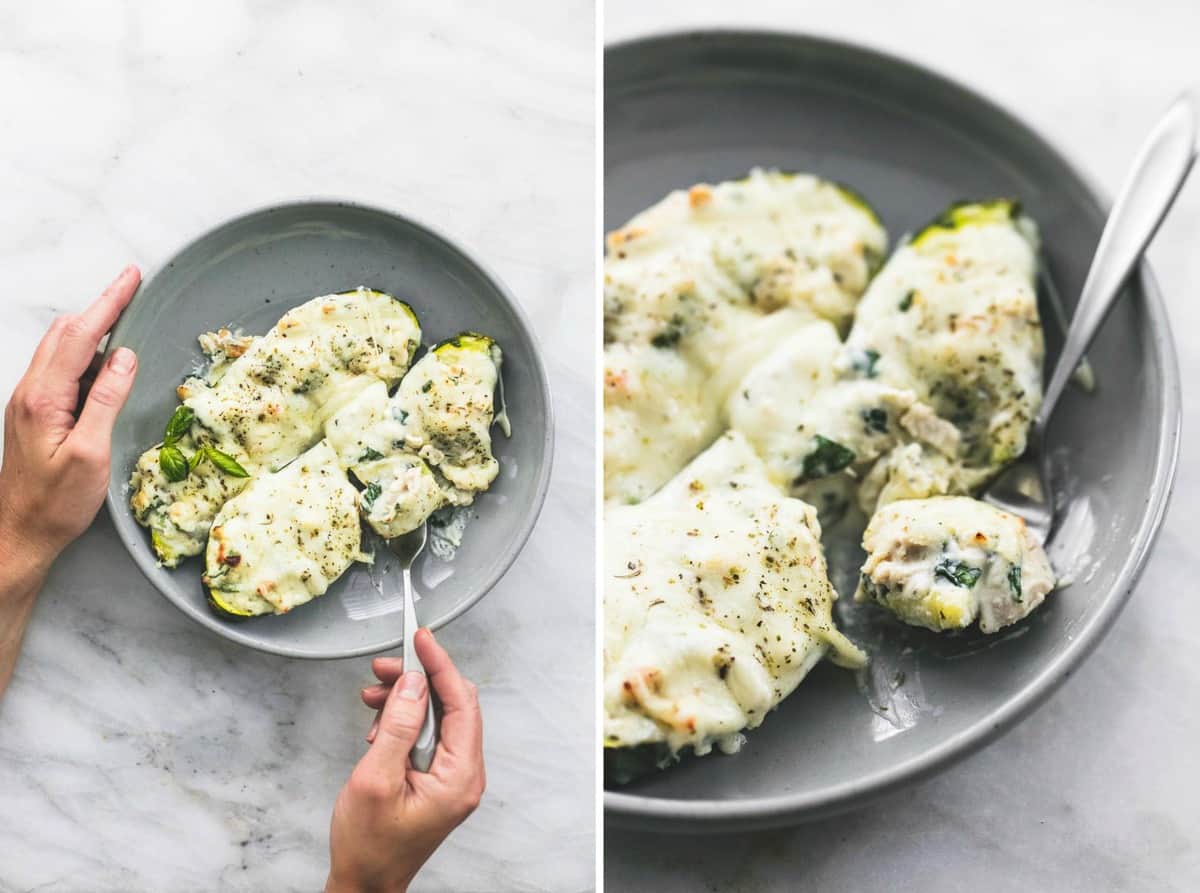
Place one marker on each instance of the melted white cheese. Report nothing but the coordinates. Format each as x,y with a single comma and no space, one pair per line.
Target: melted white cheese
662,408
429,445
792,398
932,392
272,402
448,398
716,604
267,399
696,288
914,471
285,538
945,562
953,317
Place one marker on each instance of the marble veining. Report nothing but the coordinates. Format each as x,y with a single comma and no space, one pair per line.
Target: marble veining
138,751
1100,788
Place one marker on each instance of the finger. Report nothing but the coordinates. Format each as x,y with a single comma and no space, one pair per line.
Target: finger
44,354
387,669
81,335
399,723
106,398
462,724
95,367
375,696
374,730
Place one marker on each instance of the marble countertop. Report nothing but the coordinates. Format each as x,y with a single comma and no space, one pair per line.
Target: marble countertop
1100,788
137,750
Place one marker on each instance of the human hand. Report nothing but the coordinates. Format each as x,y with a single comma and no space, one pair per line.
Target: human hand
389,818
55,469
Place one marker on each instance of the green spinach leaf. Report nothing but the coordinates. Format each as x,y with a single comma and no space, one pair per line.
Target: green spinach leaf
828,456
957,573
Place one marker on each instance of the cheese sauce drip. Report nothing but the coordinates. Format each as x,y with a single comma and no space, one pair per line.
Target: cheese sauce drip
265,400
716,604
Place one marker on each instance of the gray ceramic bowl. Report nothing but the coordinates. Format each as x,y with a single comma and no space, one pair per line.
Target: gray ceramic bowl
708,106
247,273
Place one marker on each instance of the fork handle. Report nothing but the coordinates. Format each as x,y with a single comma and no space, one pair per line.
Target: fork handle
421,755
1147,194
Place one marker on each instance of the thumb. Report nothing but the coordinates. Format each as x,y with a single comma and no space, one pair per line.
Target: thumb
106,398
401,719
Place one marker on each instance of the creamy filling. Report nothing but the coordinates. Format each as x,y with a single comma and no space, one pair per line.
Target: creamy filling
946,562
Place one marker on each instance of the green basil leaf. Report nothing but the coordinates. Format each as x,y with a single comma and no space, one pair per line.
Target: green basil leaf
225,462
370,455
828,456
197,458
957,573
181,421
1014,581
174,466
370,494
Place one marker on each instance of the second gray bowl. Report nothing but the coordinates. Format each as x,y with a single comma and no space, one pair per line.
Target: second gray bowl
708,106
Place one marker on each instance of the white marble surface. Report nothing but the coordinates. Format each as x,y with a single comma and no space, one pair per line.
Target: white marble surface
1100,788
137,751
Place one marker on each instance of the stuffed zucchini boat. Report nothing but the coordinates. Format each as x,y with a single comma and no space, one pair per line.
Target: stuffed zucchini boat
936,385
717,603
284,539
953,317
697,287
430,444
263,402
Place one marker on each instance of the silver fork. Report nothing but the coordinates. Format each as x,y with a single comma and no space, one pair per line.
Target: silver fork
1147,194
406,548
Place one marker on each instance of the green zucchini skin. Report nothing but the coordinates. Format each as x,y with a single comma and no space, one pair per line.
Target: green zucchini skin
216,608
961,213
484,341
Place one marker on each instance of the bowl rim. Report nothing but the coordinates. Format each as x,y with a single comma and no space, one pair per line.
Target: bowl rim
139,551
713,815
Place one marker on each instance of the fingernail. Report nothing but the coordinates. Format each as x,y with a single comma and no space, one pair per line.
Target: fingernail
122,360
412,686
